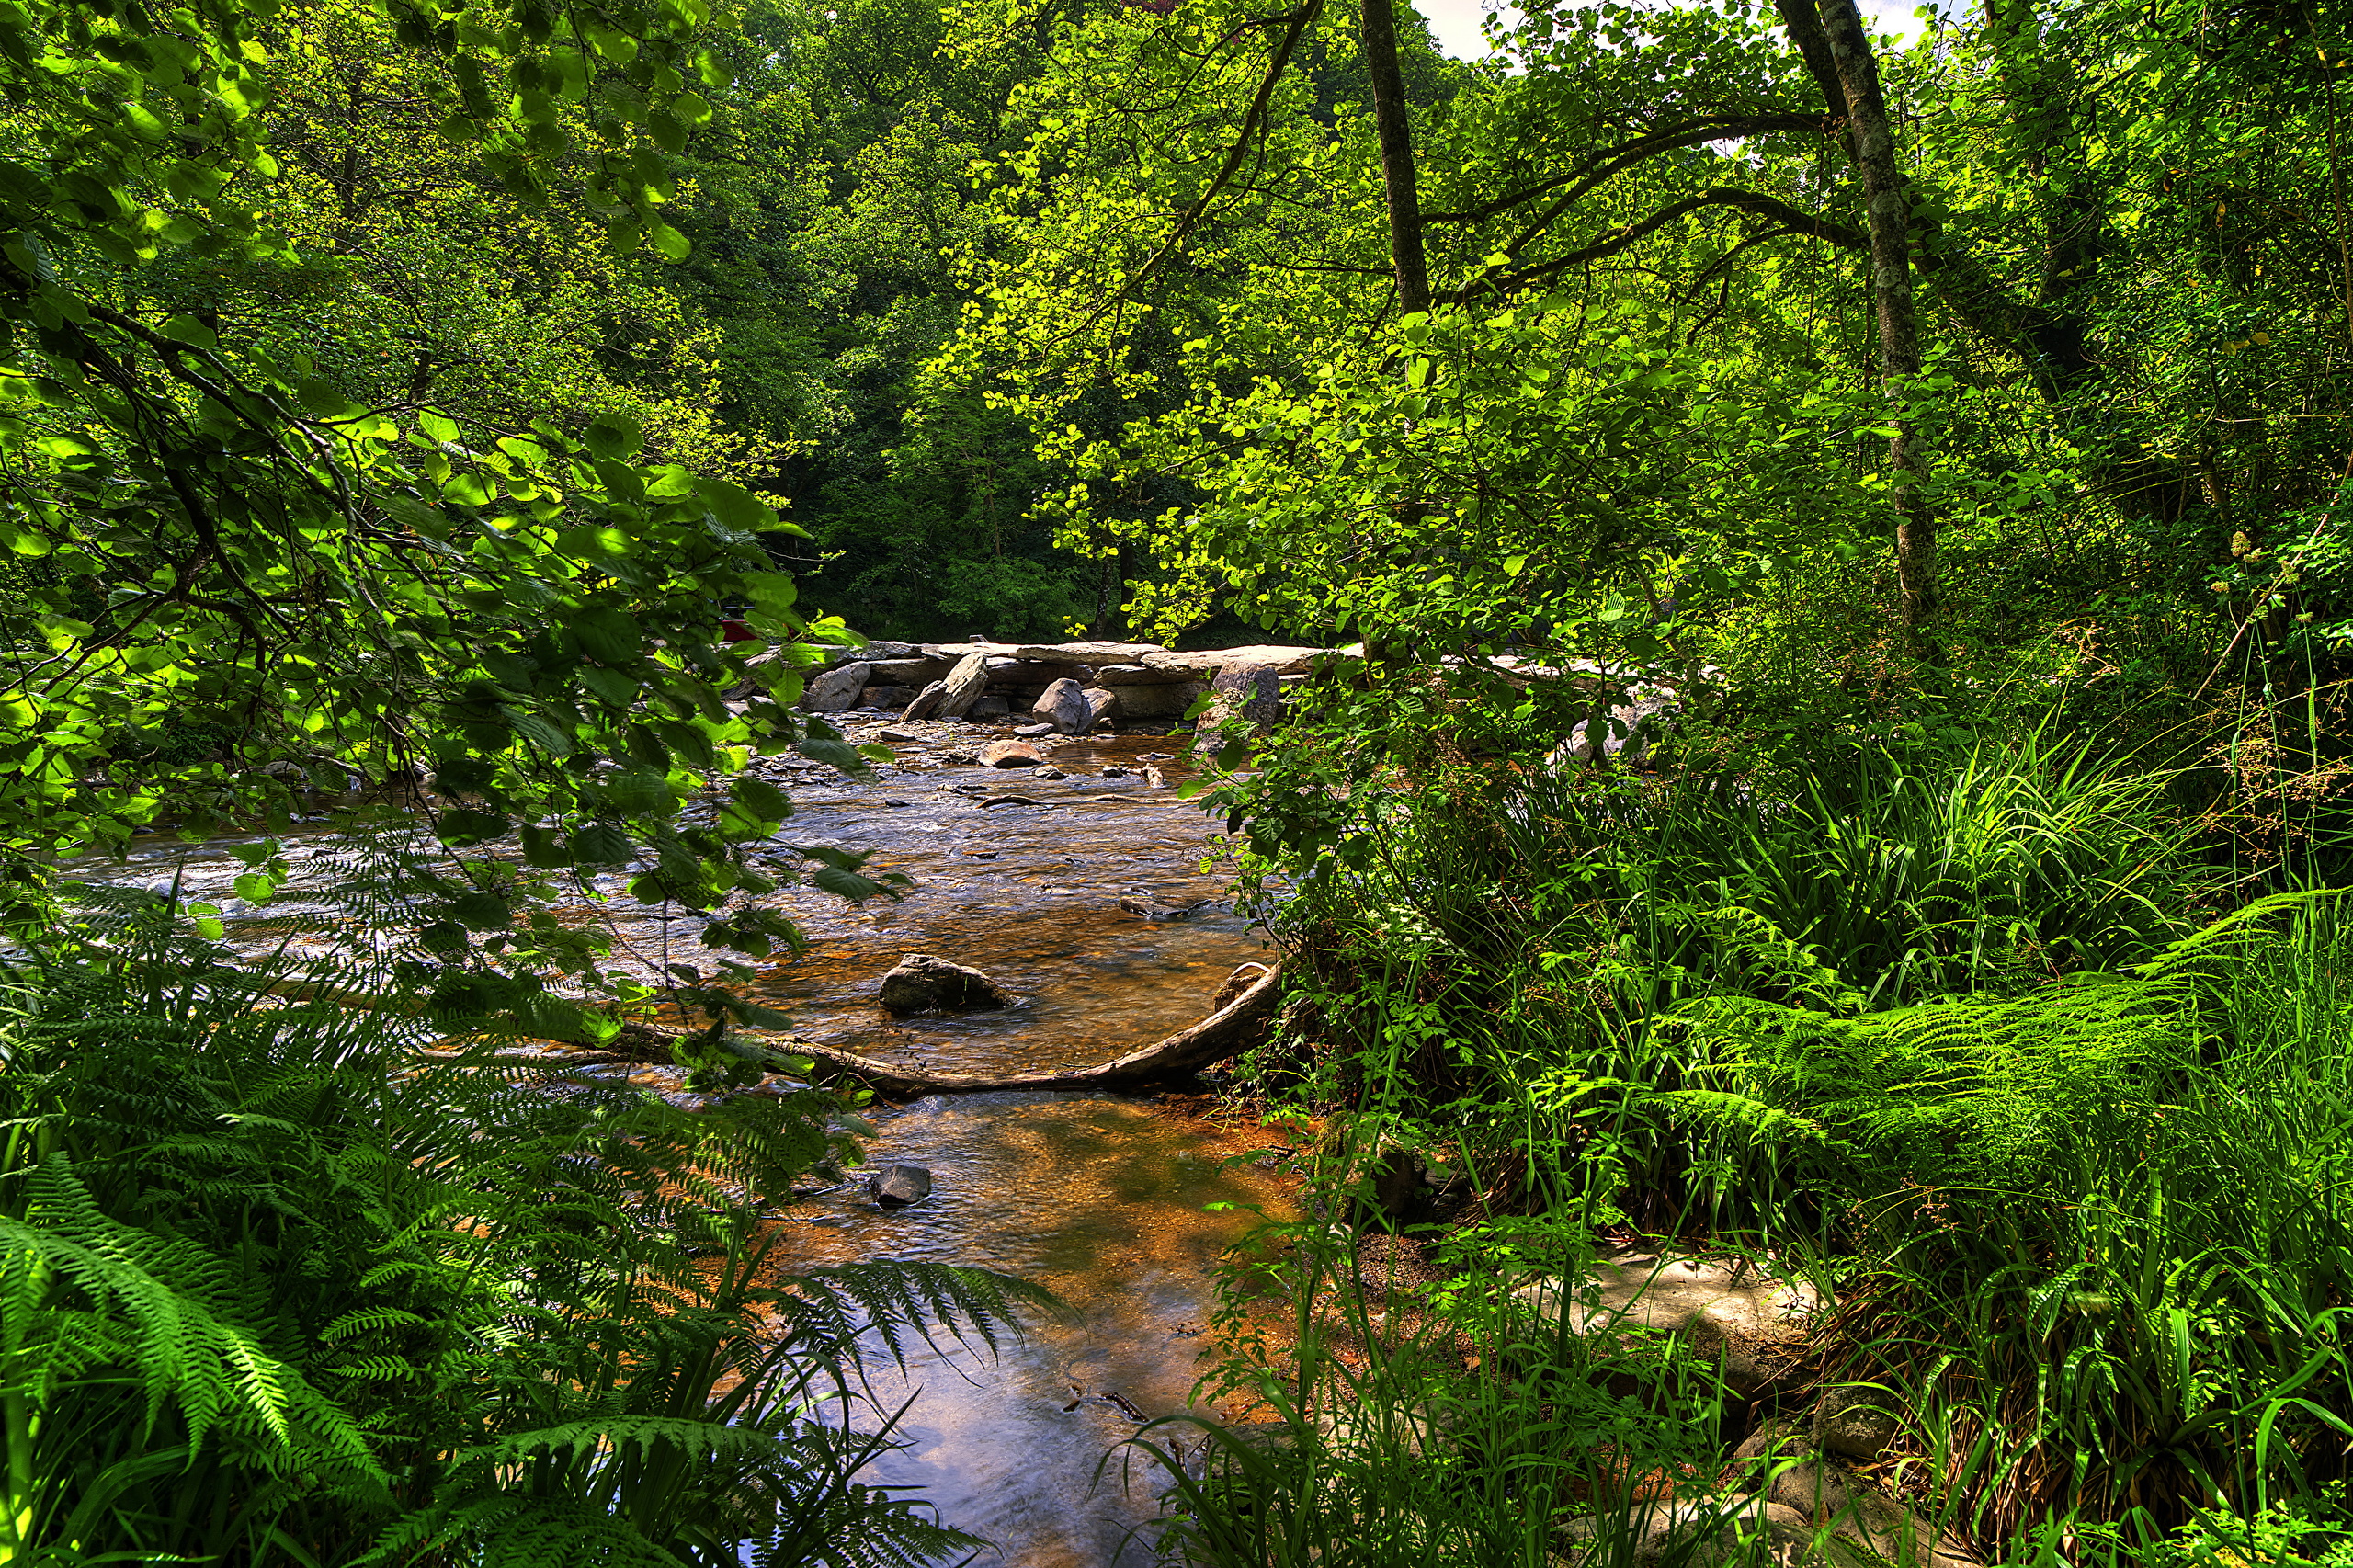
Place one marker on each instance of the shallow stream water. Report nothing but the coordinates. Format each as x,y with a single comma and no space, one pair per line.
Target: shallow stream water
1104,1200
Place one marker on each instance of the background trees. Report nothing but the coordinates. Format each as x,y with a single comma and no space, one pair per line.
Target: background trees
2112,226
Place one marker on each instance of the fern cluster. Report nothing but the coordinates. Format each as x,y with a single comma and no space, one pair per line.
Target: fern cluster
273,1287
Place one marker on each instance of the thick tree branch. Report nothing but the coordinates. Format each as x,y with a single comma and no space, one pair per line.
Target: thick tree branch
1755,202
1300,21
1599,166
1803,25
1887,202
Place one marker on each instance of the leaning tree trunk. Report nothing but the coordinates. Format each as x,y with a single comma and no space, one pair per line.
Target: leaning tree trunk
1397,174
1873,144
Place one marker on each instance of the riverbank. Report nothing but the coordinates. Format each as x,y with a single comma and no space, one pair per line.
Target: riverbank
1925,1155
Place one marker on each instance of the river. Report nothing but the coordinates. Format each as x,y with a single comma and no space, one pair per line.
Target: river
1108,1202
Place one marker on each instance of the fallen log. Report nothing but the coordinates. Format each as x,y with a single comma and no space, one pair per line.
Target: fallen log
1215,1038
1224,1033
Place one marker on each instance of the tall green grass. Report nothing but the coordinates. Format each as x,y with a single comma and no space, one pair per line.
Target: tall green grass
1968,1035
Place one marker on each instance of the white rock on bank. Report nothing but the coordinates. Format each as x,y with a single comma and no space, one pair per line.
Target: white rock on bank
1754,1323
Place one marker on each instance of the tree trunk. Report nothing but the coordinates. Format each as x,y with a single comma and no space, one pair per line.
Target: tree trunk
1397,176
1874,142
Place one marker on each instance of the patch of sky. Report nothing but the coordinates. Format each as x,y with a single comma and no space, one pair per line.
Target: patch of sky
1460,25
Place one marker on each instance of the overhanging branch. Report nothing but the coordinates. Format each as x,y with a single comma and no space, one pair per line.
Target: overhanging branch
1756,203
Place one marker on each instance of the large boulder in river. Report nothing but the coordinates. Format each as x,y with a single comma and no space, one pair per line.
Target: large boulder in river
1066,707
926,702
1164,699
963,686
917,672
835,690
1056,652
1283,659
923,983
895,1186
1100,705
1250,693
1140,675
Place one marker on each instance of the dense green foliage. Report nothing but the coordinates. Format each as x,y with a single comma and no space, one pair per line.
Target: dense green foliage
408,393
1956,1031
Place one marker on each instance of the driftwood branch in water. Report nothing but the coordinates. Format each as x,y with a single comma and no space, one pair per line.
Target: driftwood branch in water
1215,1038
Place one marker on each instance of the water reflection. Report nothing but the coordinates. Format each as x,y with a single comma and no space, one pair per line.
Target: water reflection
1102,1201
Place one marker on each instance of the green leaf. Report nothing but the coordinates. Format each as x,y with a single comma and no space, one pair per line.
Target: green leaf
614,434
187,329
845,884
606,635
466,826
320,396
614,686
837,754
761,798
601,844
482,911
739,509
544,849
539,731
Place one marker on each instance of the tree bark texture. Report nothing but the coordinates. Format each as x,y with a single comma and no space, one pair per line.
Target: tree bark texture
1873,143
1398,179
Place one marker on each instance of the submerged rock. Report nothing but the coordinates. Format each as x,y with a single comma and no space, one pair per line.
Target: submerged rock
1154,908
923,983
895,1186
